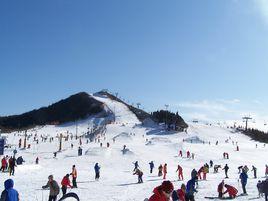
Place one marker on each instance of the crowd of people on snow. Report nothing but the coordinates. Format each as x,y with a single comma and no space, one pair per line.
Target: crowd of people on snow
167,192
164,192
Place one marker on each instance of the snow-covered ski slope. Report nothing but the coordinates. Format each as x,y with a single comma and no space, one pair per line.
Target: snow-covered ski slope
117,182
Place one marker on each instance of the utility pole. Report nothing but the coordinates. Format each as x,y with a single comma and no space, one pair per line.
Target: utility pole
60,146
25,138
166,105
246,118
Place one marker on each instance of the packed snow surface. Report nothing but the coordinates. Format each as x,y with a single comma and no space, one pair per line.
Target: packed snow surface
117,182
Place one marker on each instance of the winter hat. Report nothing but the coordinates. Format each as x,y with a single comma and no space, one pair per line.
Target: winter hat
167,186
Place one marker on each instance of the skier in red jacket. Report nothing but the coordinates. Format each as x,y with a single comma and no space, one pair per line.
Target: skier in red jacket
181,192
163,192
180,174
4,164
232,191
65,183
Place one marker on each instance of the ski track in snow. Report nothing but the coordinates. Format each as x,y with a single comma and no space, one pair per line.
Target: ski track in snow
117,182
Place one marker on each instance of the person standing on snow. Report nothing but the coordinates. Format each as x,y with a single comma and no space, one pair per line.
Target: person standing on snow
160,170
266,170
65,182
265,188
9,194
74,176
165,171
54,188
179,195
254,169
162,192
140,174
220,189
180,153
190,190
244,177
97,171
4,164
180,173
211,163
151,166
226,168
12,164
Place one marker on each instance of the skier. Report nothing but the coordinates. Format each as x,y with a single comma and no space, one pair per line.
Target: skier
190,190
179,195
205,171
9,193
4,164
54,188
162,192
36,160
180,173
165,171
244,177
194,176
65,182
240,169
266,170
140,174
151,166
226,168
245,168
188,154
74,176
200,171
254,169
220,189
260,188
224,155
160,169
216,168
265,188
237,148
180,153
211,163
97,171
232,191
12,164
136,165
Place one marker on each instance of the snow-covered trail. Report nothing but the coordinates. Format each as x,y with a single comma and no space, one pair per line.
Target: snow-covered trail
117,182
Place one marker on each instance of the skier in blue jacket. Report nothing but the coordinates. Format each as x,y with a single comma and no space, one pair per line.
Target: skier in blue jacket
244,179
190,190
9,193
97,171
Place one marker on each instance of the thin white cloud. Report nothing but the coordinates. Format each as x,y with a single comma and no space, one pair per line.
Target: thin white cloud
262,6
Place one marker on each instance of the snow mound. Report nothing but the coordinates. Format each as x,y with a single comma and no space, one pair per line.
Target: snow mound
96,151
194,139
123,137
156,140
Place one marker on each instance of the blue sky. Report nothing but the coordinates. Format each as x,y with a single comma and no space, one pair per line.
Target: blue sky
208,59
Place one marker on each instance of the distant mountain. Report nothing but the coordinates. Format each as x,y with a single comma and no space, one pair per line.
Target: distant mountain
78,106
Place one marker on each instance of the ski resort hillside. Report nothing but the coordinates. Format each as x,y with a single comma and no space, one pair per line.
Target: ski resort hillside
118,140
